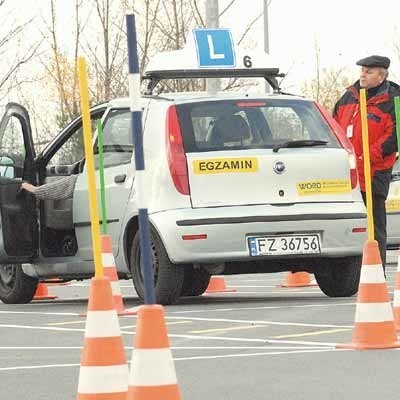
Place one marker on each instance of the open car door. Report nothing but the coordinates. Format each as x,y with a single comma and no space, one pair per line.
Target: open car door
18,215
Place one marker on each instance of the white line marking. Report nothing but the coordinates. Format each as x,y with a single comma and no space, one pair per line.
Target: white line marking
273,353
244,321
171,347
260,308
39,313
251,340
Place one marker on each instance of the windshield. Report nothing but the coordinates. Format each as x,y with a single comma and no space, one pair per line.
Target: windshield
248,124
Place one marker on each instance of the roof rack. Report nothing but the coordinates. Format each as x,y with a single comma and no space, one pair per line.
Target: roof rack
269,74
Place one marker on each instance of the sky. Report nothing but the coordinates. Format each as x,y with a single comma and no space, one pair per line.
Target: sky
343,30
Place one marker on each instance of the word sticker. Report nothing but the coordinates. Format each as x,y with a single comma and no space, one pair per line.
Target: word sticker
323,186
392,205
225,165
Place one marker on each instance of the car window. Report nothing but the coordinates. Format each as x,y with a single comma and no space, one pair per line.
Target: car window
73,150
13,148
225,125
117,139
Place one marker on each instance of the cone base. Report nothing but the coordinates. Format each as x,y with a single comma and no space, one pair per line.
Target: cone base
126,312
290,285
45,297
220,291
363,346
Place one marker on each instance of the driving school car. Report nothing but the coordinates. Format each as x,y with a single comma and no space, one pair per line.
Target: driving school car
393,210
234,183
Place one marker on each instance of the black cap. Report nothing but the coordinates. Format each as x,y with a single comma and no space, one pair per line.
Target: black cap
374,61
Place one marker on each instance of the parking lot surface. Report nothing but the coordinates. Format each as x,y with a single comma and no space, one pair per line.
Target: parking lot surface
260,341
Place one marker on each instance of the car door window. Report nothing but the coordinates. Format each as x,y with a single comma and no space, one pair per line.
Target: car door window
12,149
117,139
73,150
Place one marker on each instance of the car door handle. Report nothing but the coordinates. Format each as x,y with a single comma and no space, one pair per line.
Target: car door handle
120,178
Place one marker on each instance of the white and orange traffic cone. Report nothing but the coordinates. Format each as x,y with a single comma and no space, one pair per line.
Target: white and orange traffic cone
110,271
396,297
152,374
298,279
104,371
42,293
217,285
374,323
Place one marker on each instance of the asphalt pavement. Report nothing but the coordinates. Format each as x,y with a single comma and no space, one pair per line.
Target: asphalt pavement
260,341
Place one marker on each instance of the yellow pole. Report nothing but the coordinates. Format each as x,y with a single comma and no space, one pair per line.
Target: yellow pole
87,136
367,165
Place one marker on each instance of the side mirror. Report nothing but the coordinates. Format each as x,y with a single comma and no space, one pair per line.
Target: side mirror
7,167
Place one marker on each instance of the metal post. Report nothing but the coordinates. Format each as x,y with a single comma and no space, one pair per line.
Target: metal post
137,131
266,37
213,85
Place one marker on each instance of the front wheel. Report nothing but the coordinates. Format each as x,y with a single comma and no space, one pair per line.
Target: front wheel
341,278
168,277
15,286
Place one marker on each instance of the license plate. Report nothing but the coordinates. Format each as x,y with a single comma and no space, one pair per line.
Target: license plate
282,245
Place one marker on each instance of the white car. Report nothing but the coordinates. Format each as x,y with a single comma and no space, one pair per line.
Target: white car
393,210
235,183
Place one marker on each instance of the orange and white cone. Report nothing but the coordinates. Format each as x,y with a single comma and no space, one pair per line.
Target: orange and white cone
152,374
103,374
298,279
374,324
42,293
110,271
217,285
396,297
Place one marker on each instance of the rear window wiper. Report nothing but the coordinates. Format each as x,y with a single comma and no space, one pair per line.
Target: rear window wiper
299,143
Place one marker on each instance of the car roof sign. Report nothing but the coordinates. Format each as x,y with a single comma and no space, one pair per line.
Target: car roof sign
211,53
214,48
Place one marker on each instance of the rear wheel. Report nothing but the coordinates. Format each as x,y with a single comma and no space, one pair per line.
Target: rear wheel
168,277
195,281
341,279
15,286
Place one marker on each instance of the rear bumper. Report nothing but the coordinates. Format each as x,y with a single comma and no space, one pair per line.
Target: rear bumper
227,229
393,230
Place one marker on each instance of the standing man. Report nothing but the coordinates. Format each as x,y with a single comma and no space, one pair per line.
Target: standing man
382,134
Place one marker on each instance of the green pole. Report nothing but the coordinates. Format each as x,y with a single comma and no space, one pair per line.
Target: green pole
101,169
397,110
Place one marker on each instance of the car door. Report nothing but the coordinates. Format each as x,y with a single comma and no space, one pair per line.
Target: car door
18,215
118,178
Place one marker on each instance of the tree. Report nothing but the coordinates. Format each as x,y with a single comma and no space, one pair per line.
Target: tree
328,84
9,41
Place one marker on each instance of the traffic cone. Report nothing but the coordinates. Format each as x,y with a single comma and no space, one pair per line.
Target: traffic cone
152,374
104,371
42,293
298,279
110,271
217,285
56,282
396,297
374,324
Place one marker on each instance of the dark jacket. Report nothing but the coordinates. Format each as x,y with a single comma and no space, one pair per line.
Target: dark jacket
381,131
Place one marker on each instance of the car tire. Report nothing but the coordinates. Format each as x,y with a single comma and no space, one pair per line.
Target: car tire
341,278
195,281
168,277
15,286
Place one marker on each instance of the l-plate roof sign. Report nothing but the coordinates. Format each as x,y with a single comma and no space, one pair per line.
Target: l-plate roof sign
214,48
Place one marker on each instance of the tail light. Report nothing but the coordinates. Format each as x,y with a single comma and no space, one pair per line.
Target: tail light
176,153
344,141
353,170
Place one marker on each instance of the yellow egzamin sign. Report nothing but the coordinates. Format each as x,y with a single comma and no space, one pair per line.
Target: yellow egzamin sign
392,205
225,165
323,186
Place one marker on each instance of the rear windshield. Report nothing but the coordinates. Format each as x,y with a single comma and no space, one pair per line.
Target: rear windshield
249,124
